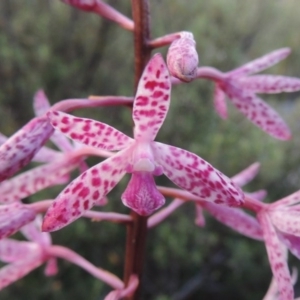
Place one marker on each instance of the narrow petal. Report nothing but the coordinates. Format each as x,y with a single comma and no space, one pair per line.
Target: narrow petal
261,63
220,102
33,232
13,250
13,217
13,272
236,219
200,219
89,132
141,194
277,258
246,175
287,221
85,191
258,112
19,149
51,268
40,103
270,84
197,176
34,180
286,201
152,99
259,195
291,242
46,154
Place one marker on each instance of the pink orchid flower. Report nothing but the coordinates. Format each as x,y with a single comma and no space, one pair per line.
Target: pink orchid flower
241,89
235,218
280,224
23,257
140,156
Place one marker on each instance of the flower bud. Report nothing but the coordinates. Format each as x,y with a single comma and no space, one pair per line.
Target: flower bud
182,57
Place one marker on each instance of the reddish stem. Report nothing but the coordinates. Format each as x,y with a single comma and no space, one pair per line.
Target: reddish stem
137,230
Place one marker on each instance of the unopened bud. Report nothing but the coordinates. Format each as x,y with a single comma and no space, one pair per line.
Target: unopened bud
182,57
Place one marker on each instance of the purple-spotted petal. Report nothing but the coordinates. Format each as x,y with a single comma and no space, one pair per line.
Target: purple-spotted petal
236,219
277,258
287,221
259,195
246,175
15,271
141,194
286,201
270,84
40,103
220,102
152,99
261,63
197,176
258,112
13,217
85,191
13,250
19,149
47,155
36,179
32,232
89,132
291,242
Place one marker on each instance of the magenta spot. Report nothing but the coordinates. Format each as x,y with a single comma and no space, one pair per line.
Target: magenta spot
65,130
157,94
76,204
86,204
96,181
106,167
76,188
142,101
96,195
65,120
95,172
157,74
84,192
151,85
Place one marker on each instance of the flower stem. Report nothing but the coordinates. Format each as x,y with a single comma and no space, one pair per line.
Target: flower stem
142,50
135,250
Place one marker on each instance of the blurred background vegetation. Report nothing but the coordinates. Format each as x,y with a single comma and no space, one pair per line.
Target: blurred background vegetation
72,54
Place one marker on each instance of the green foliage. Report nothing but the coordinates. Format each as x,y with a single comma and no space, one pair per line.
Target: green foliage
74,54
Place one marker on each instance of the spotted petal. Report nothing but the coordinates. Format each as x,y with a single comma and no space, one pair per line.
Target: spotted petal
34,180
32,232
89,132
19,149
197,176
246,175
236,219
85,191
13,217
261,63
12,250
220,102
287,221
15,271
277,258
152,99
270,84
258,112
